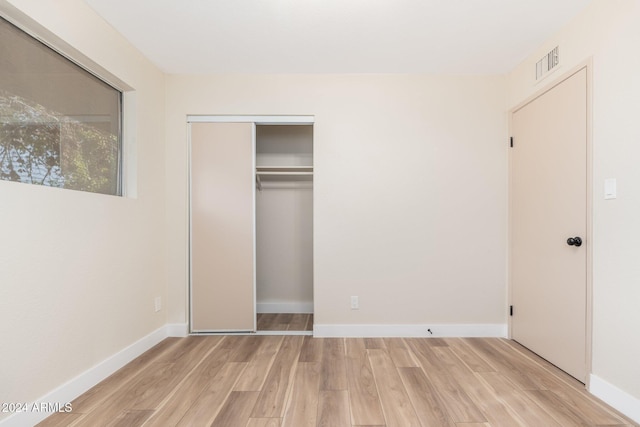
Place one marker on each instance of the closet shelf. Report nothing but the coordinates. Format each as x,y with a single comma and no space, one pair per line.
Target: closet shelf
284,170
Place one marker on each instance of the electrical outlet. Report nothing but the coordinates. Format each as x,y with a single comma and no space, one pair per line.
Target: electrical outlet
158,303
355,304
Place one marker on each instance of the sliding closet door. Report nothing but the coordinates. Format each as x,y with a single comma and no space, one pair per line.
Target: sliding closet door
222,227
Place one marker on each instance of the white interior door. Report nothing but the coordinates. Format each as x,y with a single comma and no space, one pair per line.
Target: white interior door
222,227
548,207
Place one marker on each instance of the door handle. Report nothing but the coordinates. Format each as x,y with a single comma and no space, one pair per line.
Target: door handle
574,241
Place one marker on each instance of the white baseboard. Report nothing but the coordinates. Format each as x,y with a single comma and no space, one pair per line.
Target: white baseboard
284,307
495,330
179,330
83,382
613,396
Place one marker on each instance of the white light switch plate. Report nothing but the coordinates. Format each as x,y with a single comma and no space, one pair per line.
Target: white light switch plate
610,191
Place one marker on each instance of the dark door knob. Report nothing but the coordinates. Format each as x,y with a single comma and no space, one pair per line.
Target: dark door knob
574,241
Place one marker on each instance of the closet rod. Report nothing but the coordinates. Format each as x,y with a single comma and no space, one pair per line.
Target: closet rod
284,169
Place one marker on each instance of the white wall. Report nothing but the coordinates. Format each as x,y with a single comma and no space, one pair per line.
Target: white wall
80,270
608,31
409,190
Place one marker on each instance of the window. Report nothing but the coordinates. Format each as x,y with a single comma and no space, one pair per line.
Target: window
60,126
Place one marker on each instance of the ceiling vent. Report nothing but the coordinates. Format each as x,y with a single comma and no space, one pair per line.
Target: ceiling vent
547,63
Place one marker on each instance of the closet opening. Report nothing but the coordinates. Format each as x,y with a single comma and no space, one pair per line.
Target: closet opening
251,224
284,228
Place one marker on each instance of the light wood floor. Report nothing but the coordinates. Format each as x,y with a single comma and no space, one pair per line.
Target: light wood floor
285,322
270,381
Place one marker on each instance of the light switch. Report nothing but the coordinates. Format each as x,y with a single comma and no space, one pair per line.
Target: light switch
610,188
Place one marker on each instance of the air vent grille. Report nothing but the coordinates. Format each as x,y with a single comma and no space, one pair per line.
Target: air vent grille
547,63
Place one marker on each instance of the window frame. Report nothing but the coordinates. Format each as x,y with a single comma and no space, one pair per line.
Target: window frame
126,94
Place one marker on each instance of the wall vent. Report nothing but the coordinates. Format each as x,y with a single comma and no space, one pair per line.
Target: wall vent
547,63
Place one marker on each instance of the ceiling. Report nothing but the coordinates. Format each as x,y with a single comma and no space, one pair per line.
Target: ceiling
337,36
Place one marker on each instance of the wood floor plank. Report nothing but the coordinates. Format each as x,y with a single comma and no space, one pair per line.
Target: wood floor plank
284,318
437,342
395,402
333,409
60,420
526,409
232,342
149,393
145,389
364,401
271,401
568,389
448,360
302,408
208,403
264,422
311,350
565,415
257,369
543,373
95,396
131,418
534,372
564,386
425,399
459,405
545,365
309,325
298,322
270,322
189,349
284,321
400,354
104,401
333,365
473,425
246,349
505,365
263,321
595,411
236,409
472,359
373,343
181,400
496,411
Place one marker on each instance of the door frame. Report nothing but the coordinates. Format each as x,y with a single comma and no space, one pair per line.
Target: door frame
255,120
549,85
